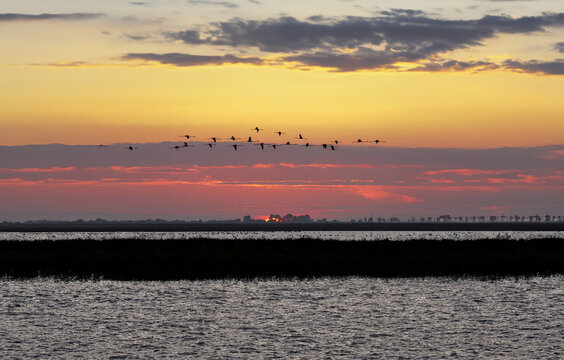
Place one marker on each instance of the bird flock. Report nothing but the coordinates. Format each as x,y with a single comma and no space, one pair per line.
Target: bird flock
236,142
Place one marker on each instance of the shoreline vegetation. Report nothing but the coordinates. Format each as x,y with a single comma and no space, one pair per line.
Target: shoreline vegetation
244,259
107,226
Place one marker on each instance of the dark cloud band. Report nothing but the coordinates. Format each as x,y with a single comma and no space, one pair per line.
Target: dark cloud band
30,17
178,59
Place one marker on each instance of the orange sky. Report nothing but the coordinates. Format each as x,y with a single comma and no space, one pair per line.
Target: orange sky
67,78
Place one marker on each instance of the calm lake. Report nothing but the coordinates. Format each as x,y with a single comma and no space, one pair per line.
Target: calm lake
318,318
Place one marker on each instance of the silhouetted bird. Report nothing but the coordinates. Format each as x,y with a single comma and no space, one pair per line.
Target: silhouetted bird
336,142
358,141
186,144
214,139
273,146
307,145
102,146
175,147
324,146
300,137
130,147
235,146
261,145
279,133
378,141
251,140
187,136
233,138
257,129
211,145
332,147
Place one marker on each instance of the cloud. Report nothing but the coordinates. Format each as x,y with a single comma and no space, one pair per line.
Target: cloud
178,59
137,37
41,170
30,17
226,4
555,67
358,60
467,172
559,46
357,43
398,30
455,65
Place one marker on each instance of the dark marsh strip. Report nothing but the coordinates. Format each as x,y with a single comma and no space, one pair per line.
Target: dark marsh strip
93,226
213,259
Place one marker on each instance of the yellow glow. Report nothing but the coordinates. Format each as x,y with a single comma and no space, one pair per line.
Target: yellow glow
77,105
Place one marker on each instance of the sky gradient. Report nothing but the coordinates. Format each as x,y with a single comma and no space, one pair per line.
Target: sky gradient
467,95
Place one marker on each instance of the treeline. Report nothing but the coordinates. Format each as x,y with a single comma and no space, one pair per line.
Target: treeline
156,225
217,259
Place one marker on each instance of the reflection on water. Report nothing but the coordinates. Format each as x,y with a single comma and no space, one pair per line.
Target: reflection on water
348,317
282,235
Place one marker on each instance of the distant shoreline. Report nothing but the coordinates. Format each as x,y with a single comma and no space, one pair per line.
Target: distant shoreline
243,259
91,226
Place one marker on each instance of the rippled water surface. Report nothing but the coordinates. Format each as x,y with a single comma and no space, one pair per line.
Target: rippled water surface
319,318
282,235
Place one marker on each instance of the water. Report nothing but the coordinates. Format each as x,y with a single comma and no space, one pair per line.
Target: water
282,235
318,318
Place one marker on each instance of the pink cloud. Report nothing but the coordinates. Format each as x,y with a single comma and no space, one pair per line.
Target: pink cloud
467,172
438,181
521,178
494,208
161,170
41,170
380,194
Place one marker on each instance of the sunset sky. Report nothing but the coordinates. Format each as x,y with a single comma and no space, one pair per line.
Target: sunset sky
468,96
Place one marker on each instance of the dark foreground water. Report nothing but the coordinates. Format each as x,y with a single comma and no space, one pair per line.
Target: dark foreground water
318,318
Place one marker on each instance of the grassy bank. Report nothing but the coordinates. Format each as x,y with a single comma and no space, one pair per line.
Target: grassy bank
209,259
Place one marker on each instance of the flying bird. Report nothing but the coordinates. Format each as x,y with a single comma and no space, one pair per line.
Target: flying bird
332,147
261,145
235,146
336,142
214,139
279,133
130,147
324,146
378,141
187,136
257,129
357,141
273,146
251,140
233,138
300,137
211,145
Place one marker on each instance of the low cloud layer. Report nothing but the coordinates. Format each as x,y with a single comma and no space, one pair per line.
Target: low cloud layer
53,181
345,62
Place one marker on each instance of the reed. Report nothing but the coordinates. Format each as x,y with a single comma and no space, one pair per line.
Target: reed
214,259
